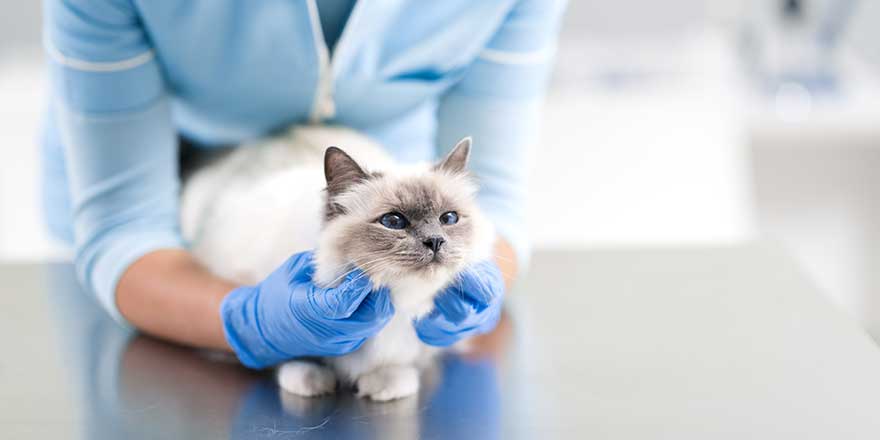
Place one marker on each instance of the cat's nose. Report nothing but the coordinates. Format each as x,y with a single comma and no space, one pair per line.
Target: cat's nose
434,243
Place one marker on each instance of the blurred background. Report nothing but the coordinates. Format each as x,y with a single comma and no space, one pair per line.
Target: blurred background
668,123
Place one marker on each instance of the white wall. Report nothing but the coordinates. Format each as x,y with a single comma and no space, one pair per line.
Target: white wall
820,198
22,235
645,143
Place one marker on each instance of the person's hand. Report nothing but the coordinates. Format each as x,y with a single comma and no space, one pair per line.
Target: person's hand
287,316
471,305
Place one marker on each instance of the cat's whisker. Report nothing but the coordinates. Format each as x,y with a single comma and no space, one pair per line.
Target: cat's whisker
362,267
343,275
340,277
357,266
367,266
371,265
376,267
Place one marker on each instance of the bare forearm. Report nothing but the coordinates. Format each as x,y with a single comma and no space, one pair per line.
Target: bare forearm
169,295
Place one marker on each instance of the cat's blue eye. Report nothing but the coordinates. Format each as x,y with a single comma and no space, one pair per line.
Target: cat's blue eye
393,220
449,218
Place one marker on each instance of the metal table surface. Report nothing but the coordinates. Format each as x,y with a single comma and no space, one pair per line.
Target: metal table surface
726,343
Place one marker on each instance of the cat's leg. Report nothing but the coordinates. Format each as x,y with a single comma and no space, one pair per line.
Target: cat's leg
306,379
389,383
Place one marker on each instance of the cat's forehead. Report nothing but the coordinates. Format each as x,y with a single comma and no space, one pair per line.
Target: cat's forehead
421,192
414,192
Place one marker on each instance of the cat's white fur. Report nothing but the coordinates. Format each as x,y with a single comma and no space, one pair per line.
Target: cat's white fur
247,213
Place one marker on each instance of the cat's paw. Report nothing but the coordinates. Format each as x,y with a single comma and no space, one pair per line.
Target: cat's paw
389,383
306,379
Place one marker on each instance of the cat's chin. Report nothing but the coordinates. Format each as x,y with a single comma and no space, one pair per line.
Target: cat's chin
431,269
430,272
434,273
412,278
413,289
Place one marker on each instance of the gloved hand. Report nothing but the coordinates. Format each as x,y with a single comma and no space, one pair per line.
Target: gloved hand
471,305
287,316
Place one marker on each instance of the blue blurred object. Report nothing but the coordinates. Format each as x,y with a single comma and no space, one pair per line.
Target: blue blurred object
795,42
130,386
469,394
471,305
287,316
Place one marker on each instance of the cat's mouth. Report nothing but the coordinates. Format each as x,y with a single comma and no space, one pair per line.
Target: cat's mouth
436,258
427,263
433,261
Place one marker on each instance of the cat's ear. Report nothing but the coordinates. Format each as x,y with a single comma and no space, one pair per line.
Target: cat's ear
456,160
341,171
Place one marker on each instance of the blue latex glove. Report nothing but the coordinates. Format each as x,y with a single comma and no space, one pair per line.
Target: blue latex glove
471,305
286,316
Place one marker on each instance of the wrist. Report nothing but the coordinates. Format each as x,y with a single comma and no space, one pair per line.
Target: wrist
239,313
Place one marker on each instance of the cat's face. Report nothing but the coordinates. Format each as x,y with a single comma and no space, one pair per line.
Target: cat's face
409,223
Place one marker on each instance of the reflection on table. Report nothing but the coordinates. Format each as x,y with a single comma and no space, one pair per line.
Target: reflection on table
133,386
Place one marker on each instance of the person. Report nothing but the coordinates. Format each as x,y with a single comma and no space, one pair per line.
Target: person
131,81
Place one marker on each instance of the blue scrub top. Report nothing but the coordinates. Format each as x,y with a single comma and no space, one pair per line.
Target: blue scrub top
130,76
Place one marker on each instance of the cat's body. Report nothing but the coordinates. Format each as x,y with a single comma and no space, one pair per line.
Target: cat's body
247,213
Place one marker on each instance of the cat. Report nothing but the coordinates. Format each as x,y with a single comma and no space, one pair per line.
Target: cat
410,228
